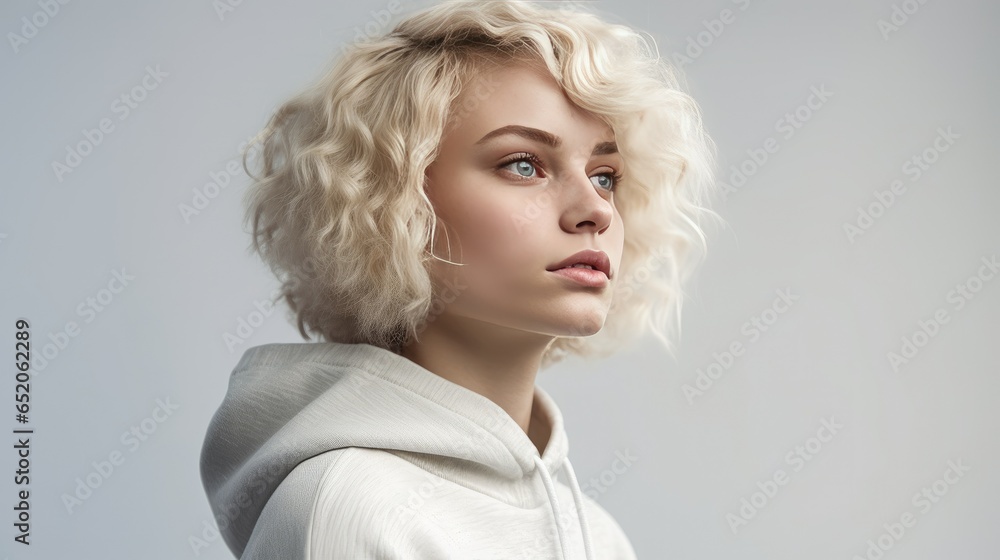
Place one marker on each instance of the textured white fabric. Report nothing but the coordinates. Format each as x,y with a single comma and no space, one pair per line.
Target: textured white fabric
334,451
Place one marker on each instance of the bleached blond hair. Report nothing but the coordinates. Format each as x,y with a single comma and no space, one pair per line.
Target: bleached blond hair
339,212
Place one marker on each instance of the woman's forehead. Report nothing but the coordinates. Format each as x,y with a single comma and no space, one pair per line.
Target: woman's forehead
525,101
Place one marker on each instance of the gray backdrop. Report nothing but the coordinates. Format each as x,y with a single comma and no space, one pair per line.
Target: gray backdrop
834,394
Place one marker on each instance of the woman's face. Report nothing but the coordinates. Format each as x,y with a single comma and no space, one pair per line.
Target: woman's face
523,180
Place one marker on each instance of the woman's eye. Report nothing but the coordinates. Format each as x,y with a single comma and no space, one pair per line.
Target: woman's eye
521,167
607,181
527,166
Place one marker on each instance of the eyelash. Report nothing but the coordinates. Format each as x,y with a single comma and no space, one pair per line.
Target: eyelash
526,156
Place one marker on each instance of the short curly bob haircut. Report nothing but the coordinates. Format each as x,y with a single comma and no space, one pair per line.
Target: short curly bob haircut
339,212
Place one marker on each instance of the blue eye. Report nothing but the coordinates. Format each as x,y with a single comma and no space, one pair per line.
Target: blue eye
611,177
525,166
605,184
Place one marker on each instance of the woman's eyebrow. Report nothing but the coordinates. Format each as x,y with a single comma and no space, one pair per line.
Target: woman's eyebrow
543,137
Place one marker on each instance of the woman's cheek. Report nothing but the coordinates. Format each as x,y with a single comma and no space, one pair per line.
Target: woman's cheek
495,232
501,254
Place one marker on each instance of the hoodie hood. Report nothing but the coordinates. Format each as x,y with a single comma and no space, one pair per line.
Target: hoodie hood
289,402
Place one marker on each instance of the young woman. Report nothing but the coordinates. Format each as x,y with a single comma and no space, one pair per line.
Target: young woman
487,189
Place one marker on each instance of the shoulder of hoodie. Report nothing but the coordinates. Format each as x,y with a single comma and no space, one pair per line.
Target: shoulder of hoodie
347,503
282,355
606,534
354,503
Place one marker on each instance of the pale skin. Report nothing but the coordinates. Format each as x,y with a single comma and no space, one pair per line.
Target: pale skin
491,337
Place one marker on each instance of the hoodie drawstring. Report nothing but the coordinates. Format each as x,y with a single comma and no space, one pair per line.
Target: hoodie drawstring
577,501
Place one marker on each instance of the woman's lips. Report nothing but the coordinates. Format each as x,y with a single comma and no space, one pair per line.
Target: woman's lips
583,276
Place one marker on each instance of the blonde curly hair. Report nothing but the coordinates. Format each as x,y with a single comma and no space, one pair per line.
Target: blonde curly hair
339,212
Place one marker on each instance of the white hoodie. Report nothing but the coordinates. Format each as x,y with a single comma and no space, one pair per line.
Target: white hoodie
323,451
